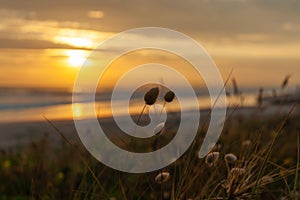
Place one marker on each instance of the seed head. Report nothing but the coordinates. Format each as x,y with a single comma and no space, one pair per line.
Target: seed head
238,171
162,177
169,96
230,158
212,158
159,128
151,96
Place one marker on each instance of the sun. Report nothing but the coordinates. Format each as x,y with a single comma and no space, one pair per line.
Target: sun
76,58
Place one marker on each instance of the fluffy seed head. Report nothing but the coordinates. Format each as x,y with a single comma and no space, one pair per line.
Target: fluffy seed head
212,158
162,177
169,96
151,96
159,128
238,171
230,158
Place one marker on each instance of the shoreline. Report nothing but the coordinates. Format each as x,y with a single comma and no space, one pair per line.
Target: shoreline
18,134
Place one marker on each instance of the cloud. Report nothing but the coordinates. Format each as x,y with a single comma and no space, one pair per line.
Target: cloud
213,20
17,31
32,44
253,37
291,27
95,14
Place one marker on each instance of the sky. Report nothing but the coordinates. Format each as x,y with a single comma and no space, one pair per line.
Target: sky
43,43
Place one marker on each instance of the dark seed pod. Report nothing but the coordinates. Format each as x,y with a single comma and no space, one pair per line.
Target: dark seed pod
169,97
151,96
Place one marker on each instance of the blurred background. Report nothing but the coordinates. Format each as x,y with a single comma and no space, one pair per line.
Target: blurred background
254,43
44,44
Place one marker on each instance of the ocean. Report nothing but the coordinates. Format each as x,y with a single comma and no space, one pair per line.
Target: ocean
33,104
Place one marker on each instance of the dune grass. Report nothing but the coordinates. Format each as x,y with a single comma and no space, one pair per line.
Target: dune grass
257,159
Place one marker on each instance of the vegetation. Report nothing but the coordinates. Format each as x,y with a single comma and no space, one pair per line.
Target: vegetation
254,159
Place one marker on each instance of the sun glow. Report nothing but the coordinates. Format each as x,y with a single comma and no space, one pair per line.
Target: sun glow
76,58
76,41
77,110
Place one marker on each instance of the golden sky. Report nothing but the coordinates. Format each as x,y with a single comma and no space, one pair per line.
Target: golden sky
44,43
